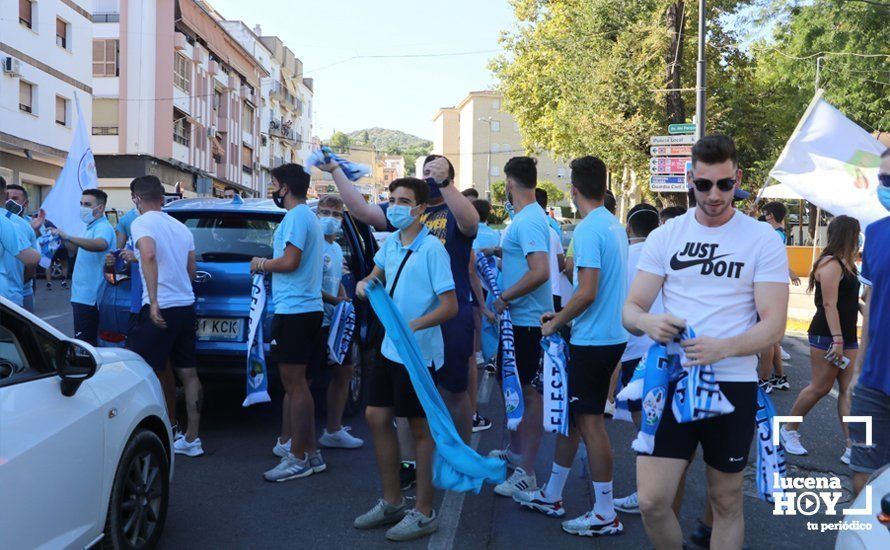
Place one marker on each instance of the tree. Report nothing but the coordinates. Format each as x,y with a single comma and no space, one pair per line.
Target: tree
498,196
340,141
555,195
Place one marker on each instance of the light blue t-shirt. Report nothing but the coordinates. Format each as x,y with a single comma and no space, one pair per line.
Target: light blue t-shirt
300,290
89,268
486,237
332,274
13,239
527,234
125,221
555,225
601,243
426,275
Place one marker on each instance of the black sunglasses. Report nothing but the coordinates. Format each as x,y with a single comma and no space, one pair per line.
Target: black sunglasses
884,179
703,186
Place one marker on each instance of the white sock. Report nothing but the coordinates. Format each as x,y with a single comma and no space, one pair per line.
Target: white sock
603,499
556,483
285,444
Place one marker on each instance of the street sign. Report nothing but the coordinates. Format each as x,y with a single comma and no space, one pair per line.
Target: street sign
671,151
672,140
668,184
685,128
668,165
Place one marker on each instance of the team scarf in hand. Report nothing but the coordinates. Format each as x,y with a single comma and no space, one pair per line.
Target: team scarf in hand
656,377
48,244
770,456
513,402
257,375
352,170
456,466
490,336
697,395
556,385
342,331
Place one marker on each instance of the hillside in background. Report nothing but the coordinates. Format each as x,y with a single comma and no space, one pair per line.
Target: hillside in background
390,141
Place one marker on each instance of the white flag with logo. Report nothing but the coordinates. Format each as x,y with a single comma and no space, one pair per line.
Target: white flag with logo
833,163
62,205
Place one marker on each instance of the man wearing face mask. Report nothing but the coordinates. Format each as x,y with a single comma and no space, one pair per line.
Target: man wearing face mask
98,239
451,217
16,254
21,278
871,394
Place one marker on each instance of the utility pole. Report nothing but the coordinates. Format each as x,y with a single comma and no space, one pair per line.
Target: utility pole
487,120
700,95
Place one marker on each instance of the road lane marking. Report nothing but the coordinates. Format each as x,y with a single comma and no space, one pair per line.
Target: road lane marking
51,317
453,503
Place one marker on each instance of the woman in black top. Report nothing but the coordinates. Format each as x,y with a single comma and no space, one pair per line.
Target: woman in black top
832,333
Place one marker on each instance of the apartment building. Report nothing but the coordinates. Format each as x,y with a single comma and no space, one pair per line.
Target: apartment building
285,100
393,168
372,185
45,57
479,138
176,96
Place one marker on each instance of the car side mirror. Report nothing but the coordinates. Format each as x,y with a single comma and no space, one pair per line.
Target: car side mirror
74,364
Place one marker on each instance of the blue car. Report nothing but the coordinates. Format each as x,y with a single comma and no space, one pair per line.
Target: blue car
228,233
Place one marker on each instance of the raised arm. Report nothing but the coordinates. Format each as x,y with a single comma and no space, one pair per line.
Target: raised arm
360,209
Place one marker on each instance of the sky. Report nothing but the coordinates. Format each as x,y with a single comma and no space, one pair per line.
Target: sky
396,93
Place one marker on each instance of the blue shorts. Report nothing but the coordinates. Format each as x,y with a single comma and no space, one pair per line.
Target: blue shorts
824,343
458,336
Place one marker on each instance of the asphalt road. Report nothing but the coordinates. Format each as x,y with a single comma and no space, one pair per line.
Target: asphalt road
220,500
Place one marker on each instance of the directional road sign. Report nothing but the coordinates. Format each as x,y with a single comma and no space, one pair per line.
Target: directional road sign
670,151
672,140
668,184
668,165
681,128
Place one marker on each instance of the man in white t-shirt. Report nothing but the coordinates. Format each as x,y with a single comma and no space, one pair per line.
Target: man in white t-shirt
164,334
717,270
557,255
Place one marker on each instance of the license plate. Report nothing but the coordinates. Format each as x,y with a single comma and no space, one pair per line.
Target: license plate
209,328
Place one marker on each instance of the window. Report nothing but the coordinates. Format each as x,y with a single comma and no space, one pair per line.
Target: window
495,126
495,171
246,159
26,352
182,128
61,111
182,73
26,97
228,237
217,99
105,117
26,13
495,147
496,105
105,58
61,33
247,118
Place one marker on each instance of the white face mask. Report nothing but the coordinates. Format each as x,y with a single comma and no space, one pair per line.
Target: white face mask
86,214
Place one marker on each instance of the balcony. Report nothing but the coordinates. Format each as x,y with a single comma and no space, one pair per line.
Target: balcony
106,17
281,129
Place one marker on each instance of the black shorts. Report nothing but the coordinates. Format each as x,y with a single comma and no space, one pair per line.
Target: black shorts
725,439
176,342
590,372
529,354
627,373
295,339
458,335
390,386
86,322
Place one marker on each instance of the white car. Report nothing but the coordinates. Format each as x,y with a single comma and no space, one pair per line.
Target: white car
85,441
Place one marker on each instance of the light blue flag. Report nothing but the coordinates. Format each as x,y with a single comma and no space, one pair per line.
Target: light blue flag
456,466
257,374
513,401
342,331
48,244
352,170
62,204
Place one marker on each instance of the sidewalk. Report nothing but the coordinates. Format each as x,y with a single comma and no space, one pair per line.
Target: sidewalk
800,308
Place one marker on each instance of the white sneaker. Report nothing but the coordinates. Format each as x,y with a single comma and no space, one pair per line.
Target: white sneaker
791,442
507,455
280,449
629,504
183,447
785,355
845,458
479,358
519,481
610,408
341,439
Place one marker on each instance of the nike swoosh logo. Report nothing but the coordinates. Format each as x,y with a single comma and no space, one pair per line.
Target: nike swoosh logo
678,264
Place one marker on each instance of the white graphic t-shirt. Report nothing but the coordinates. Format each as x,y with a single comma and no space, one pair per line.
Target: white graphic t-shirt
710,274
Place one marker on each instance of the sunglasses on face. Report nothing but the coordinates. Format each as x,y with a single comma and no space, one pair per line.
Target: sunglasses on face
703,186
884,179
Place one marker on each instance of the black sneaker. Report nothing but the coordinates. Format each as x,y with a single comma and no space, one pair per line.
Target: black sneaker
765,385
779,383
480,423
49,286
701,537
407,475
64,284
538,381
491,368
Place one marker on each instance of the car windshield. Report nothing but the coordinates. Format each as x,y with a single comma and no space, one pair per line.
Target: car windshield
230,237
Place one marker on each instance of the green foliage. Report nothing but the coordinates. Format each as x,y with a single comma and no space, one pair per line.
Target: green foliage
339,141
555,195
389,141
498,195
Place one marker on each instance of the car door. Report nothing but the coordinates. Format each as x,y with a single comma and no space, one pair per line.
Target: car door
51,446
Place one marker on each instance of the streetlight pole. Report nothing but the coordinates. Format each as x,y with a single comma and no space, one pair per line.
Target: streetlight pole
488,163
700,96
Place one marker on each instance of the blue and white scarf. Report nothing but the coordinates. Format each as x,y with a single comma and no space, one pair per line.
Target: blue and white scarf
352,170
770,456
556,385
48,244
257,374
490,336
697,395
456,466
342,331
513,402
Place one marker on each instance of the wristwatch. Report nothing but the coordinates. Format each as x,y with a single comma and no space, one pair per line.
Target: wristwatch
442,185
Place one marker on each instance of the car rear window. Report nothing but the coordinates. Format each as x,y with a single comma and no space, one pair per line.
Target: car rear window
230,237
